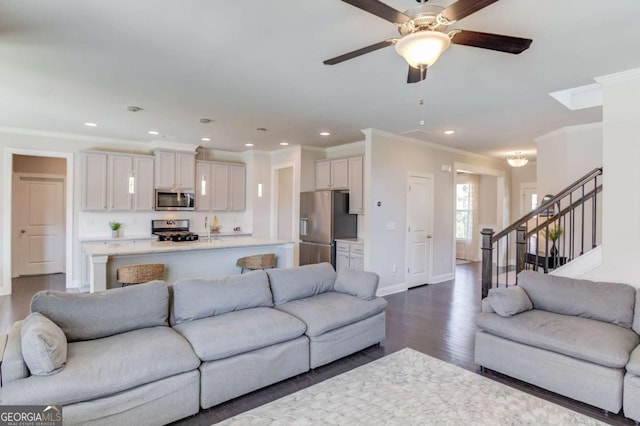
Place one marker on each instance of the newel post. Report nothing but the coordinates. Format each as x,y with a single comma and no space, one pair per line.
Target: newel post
487,258
521,249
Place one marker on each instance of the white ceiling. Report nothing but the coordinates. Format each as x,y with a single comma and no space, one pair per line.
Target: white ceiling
259,64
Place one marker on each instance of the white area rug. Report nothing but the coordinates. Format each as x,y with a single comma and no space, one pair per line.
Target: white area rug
410,388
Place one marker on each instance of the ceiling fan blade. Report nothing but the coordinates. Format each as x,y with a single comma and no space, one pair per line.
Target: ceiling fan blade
463,8
380,9
497,42
359,52
416,74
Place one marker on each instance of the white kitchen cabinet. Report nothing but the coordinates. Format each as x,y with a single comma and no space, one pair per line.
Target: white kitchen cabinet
175,170
220,187
120,168
94,196
237,188
106,182
332,174
144,197
323,174
356,186
349,254
203,179
226,186
340,174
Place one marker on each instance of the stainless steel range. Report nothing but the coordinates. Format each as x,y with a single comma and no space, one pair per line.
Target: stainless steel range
173,230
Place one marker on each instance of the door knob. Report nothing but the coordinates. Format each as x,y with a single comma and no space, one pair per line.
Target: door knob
22,231
429,236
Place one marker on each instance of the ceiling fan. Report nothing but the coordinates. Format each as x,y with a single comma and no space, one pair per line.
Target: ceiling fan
423,36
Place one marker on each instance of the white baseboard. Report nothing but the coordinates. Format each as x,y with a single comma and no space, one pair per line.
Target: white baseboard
440,278
396,288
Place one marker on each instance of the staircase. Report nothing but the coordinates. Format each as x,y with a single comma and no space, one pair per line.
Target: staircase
563,228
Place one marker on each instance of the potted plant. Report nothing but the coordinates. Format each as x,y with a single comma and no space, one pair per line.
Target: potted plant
115,229
554,234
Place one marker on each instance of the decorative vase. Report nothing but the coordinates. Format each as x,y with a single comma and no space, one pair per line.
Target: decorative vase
115,233
554,249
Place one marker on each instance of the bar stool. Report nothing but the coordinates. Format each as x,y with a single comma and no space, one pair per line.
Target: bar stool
137,274
257,261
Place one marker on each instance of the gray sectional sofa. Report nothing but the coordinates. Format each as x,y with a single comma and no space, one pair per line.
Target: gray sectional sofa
574,337
152,354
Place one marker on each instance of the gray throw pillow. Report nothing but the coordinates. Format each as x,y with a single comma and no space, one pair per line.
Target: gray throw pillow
357,283
44,345
509,301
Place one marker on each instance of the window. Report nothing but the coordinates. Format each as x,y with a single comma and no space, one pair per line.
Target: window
463,211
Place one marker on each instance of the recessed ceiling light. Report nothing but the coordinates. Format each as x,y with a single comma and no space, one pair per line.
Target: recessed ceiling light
325,134
449,132
284,143
248,144
205,139
91,124
154,132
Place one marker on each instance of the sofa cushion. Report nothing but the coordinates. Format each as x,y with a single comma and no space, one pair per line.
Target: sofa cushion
509,301
582,338
633,366
610,302
238,332
44,345
300,282
195,298
329,311
357,283
102,367
88,316
13,365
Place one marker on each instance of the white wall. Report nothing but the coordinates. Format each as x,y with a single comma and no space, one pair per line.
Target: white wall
520,175
566,155
621,196
388,160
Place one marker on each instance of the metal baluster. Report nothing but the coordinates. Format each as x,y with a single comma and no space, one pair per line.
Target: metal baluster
571,222
593,212
546,245
498,264
535,267
507,262
582,208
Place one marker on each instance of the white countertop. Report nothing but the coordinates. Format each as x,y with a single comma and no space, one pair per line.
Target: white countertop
125,237
351,240
149,247
234,234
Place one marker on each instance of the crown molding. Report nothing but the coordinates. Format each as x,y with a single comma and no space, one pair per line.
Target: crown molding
173,146
69,136
619,77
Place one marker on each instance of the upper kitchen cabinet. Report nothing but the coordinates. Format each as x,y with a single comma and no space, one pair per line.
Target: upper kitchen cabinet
341,174
109,179
224,186
175,170
94,168
332,174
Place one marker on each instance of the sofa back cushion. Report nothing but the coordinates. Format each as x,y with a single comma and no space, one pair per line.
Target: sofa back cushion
301,282
361,284
609,302
44,345
195,298
87,316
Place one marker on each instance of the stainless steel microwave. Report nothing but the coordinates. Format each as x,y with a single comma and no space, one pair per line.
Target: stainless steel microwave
175,200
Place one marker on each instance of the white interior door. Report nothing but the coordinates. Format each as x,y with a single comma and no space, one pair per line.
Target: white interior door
41,237
419,230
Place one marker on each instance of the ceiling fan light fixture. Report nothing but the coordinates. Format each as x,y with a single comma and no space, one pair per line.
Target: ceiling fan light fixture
517,160
422,48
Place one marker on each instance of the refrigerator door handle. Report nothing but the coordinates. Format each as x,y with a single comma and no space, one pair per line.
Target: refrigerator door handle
304,227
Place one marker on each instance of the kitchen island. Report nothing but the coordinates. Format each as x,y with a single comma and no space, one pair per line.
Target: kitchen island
186,259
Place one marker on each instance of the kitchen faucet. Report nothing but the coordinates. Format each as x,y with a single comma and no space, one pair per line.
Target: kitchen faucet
206,225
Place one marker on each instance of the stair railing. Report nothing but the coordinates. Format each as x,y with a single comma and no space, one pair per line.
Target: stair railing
562,228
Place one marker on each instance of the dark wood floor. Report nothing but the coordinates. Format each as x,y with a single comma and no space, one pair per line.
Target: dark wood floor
436,319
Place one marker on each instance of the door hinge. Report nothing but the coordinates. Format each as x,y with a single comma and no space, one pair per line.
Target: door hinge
409,188
409,230
408,270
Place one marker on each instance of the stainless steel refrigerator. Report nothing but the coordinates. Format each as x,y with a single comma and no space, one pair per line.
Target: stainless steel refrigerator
324,216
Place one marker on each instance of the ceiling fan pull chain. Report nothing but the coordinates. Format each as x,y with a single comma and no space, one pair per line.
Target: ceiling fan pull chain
422,90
